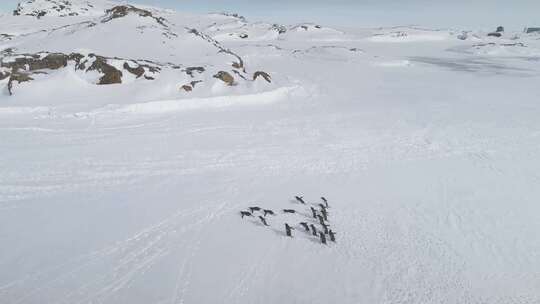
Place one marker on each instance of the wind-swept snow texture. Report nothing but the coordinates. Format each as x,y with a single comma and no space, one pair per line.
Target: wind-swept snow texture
425,145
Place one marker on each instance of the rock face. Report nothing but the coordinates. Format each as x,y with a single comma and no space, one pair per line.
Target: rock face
124,10
18,77
20,67
111,75
61,8
225,77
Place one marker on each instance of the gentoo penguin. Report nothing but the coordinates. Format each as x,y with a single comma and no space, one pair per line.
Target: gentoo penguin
288,230
313,230
332,235
263,220
323,237
300,199
313,212
245,213
267,211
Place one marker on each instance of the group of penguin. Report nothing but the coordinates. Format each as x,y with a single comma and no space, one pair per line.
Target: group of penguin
320,215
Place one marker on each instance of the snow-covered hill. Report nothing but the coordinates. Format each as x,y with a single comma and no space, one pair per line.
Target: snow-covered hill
62,8
133,137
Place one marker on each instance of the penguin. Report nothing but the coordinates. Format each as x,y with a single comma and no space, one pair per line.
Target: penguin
314,212
253,209
245,213
324,214
263,220
305,225
313,230
321,219
325,228
289,211
288,230
325,201
267,211
323,237
332,235
300,199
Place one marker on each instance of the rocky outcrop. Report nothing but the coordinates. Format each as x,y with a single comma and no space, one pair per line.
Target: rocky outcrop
20,67
227,78
189,87
17,77
137,71
281,29
191,70
111,75
124,10
262,74
60,8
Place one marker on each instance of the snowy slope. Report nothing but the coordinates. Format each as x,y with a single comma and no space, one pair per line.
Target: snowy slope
425,142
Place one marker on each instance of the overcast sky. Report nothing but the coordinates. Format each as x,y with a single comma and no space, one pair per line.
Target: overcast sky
515,14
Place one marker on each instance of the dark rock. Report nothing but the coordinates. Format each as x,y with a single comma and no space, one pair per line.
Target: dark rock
187,88
225,77
243,35
124,10
500,29
279,28
193,83
263,75
34,62
138,71
495,34
191,70
111,74
18,77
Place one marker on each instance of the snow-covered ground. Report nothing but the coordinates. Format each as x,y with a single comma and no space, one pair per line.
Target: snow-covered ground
426,146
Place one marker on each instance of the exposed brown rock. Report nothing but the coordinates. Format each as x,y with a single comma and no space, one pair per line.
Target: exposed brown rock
262,74
138,71
111,74
18,77
124,10
187,88
225,77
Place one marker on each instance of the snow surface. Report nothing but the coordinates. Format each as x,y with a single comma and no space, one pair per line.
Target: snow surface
427,151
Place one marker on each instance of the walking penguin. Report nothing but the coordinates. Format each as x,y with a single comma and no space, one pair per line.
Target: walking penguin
253,209
267,211
314,212
324,214
288,230
300,199
325,202
325,228
245,213
321,219
323,237
263,220
313,230
332,235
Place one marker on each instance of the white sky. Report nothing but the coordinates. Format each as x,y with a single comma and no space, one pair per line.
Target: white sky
514,14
